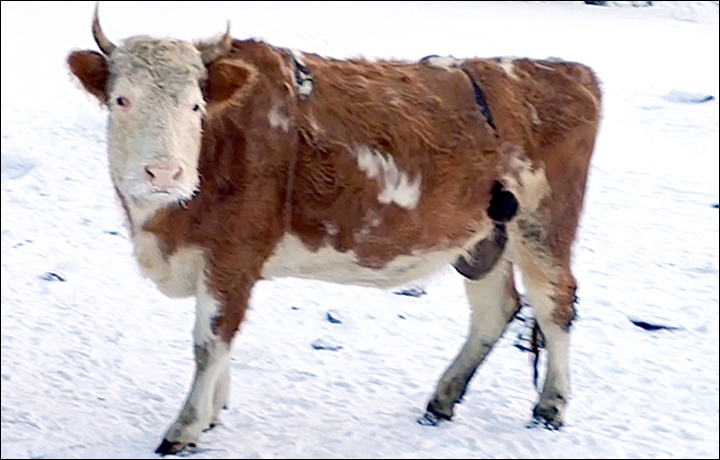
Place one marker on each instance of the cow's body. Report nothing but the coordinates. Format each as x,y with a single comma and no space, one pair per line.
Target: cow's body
372,174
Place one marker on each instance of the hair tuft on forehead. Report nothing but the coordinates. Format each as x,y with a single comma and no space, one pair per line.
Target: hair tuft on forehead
162,58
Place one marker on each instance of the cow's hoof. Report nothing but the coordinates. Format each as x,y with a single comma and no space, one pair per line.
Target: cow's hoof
436,412
547,417
215,422
430,419
168,448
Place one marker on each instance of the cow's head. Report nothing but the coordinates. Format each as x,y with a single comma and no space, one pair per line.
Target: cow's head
153,91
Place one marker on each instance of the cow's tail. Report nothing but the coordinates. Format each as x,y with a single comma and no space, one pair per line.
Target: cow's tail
536,342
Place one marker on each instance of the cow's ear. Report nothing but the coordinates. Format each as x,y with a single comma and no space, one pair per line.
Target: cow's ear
229,79
91,68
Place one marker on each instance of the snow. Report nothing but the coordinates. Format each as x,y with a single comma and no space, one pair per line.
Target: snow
96,362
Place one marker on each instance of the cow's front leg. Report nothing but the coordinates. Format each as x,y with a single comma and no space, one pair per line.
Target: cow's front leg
220,400
209,388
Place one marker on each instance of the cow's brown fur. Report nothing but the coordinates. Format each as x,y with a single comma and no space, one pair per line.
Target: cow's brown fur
259,182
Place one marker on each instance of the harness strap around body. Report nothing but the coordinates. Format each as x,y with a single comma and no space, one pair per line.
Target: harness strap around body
448,63
480,100
303,78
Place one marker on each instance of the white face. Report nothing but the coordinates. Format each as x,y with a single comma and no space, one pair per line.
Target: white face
155,122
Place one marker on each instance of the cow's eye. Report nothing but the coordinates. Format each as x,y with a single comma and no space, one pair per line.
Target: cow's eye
122,101
196,108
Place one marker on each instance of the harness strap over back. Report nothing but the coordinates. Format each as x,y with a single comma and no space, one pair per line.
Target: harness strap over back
448,63
303,78
480,100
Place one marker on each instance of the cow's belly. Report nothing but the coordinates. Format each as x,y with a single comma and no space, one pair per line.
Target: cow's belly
175,275
292,258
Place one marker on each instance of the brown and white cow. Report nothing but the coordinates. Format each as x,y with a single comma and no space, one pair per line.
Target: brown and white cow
237,161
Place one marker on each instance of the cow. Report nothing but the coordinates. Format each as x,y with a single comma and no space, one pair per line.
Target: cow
236,161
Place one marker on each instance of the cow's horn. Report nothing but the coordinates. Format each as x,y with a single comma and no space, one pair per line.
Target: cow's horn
216,49
106,46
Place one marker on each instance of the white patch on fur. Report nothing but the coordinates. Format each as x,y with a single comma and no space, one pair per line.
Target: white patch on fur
305,86
206,310
298,56
530,186
331,228
392,97
544,67
368,162
292,258
533,114
176,275
314,125
441,62
397,187
508,66
277,119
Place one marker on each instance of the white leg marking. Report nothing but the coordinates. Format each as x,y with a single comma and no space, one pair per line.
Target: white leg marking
494,301
212,357
222,392
556,387
397,186
540,274
206,309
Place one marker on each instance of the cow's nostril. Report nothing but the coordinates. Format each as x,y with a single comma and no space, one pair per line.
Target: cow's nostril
163,176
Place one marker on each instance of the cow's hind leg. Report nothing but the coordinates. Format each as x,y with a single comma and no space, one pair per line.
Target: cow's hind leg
553,303
494,302
550,290
212,355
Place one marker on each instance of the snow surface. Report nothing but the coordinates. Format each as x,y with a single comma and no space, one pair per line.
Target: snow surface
96,362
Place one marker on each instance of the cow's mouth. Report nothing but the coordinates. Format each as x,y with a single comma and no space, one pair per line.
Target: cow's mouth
175,195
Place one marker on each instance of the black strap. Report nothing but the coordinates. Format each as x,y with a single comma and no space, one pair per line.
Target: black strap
302,73
480,99
303,78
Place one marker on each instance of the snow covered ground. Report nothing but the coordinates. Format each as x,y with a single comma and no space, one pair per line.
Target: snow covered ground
96,362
